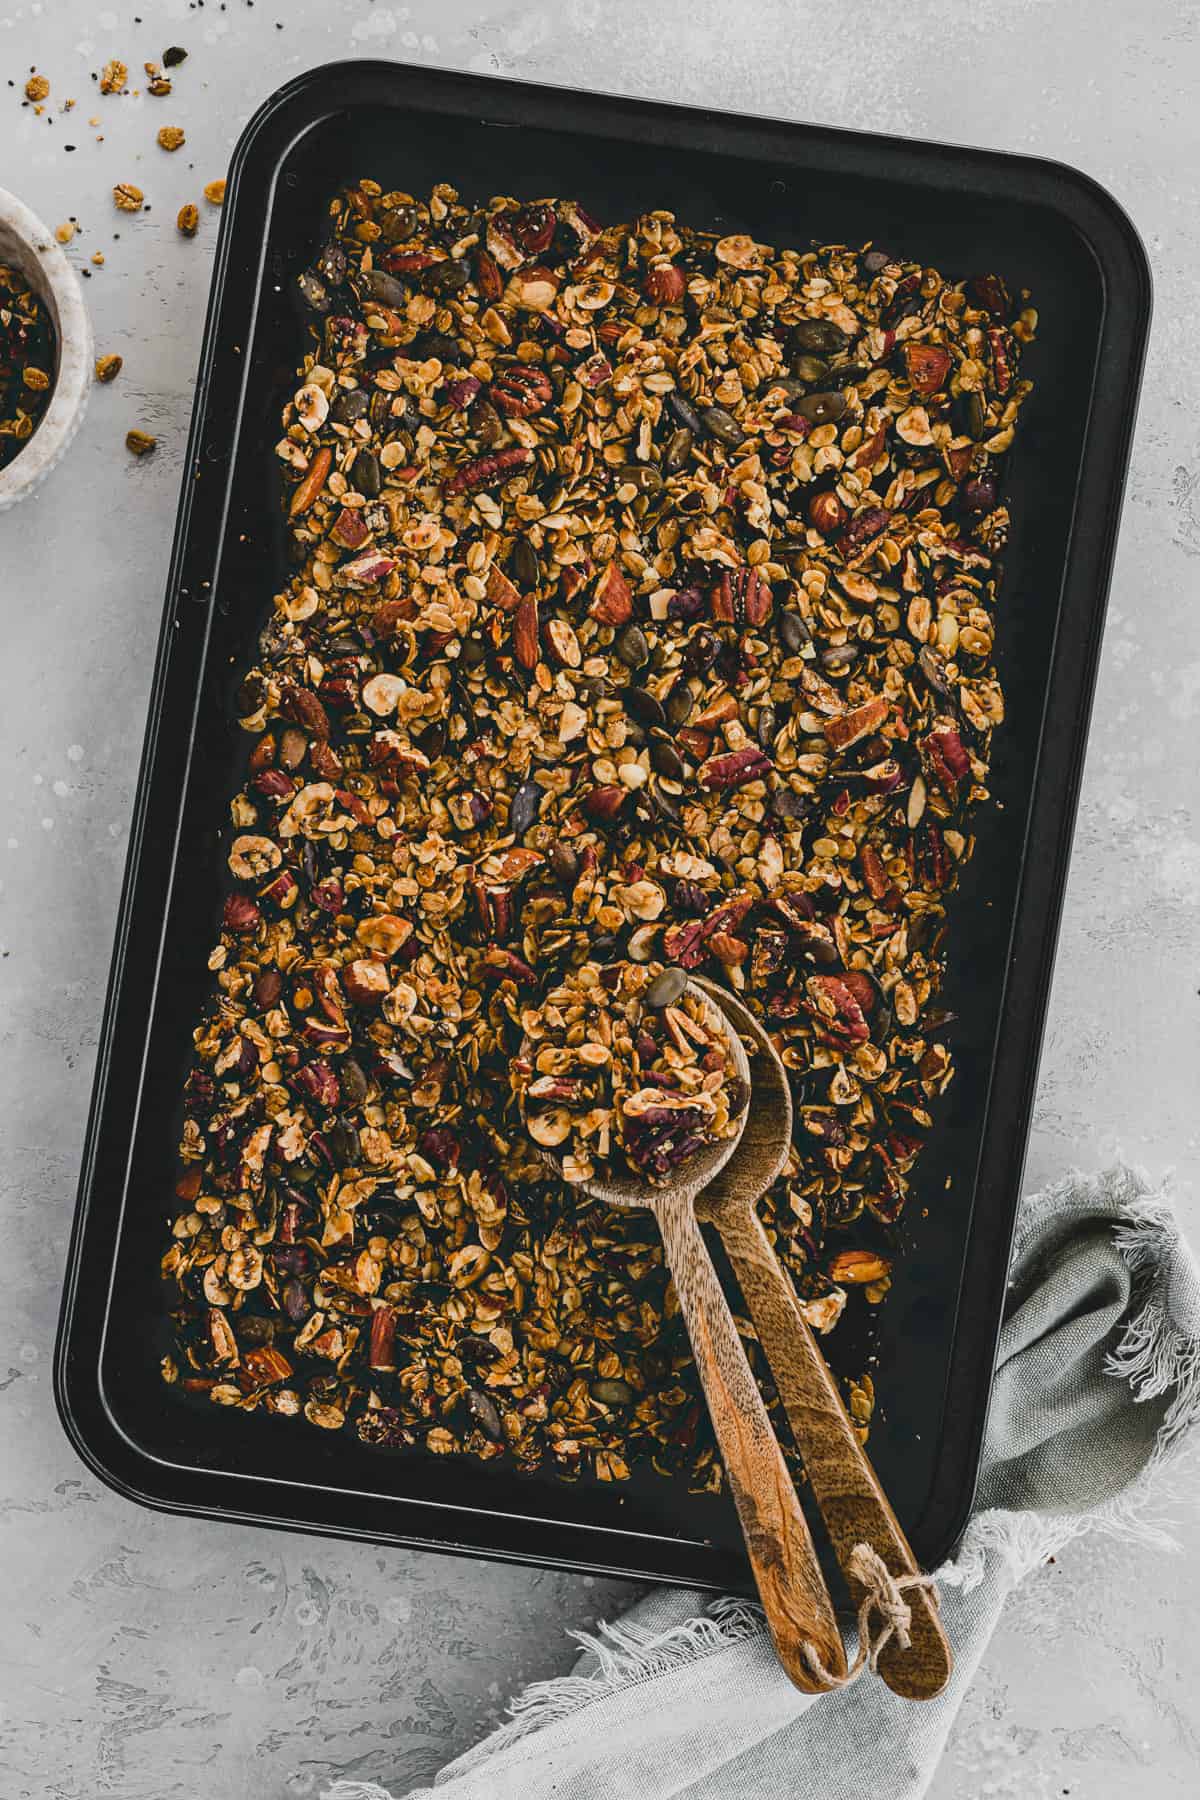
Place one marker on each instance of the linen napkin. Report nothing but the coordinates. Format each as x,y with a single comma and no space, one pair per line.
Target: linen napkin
1097,1388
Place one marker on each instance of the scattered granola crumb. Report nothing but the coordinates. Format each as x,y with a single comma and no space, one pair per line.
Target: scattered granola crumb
108,367
98,258
159,86
139,443
68,105
66,231
127,197
214,193
171,137
188,221
37,87
113,76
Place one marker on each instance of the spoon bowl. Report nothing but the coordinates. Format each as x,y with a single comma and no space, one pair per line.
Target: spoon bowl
707,1162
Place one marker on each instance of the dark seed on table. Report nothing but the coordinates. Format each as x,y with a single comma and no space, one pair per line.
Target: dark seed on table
817,335
641,705
366,474
523,563
793,632
665,760
687,415
563,861
666,988
632,648
526,804
313,292
350,406
611,1393
822,409
723,426
680,704
679,448
484,1413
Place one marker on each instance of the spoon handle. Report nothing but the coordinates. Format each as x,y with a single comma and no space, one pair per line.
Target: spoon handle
789,1578
853,1504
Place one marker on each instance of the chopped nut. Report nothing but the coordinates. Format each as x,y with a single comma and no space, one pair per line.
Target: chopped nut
187,222
139,443
113,76
108,367
37,88
127,197
170,137
214,192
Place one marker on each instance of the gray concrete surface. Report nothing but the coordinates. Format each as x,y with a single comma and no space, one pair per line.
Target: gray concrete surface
159,1659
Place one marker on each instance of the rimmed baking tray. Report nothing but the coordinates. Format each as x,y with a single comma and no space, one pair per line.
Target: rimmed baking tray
1043,227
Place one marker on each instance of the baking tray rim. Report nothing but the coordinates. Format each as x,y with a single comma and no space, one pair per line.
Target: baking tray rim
78,1381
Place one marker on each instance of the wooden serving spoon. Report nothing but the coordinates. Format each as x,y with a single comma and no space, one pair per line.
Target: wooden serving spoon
846,1488
783,1558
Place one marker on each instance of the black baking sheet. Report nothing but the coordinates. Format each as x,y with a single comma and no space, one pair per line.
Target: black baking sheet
1043,227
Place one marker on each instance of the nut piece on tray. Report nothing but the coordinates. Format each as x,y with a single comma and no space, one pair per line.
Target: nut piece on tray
639,618
625,1073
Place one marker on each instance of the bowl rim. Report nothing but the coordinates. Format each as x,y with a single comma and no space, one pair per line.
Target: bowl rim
60,287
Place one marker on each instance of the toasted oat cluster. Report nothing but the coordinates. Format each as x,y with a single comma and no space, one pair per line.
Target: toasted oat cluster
624,1072
641,615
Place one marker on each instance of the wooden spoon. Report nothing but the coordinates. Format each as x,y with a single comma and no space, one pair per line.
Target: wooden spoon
846,1488
783,1558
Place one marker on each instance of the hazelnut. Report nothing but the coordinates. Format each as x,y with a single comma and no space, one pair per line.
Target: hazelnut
826,512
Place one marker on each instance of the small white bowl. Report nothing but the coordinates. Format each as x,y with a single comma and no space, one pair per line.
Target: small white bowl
25,244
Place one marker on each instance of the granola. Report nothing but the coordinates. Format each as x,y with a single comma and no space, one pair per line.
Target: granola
27,362
642,610
623,1071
